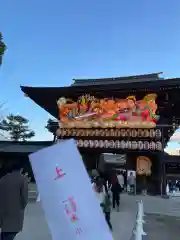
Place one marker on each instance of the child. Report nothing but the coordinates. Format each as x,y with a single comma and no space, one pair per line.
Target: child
106,207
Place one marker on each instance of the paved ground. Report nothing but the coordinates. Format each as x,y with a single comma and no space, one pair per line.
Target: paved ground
162,227
35,227
162,219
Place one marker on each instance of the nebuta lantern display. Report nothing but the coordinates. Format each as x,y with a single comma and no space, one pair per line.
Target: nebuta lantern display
91,112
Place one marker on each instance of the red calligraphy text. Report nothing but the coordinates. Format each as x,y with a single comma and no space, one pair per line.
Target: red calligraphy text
67,209
59,173
78,231
74,217
71,209
73,204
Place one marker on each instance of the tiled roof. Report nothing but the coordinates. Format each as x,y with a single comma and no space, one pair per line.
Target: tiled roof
23,147
116,80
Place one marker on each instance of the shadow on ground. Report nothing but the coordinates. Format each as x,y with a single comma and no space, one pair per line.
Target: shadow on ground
161,227
162,218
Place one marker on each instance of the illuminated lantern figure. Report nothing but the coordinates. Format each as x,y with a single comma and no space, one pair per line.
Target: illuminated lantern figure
143,166
145,114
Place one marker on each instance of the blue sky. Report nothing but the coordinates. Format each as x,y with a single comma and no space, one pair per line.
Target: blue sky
51,42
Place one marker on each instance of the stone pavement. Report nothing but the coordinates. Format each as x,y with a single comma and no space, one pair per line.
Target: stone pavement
161,227
35,227
162,219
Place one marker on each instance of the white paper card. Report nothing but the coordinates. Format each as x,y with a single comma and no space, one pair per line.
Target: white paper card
71,207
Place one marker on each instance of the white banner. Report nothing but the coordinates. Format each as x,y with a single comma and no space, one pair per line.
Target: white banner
71,208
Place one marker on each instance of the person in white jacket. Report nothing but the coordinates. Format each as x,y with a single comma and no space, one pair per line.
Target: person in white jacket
121,179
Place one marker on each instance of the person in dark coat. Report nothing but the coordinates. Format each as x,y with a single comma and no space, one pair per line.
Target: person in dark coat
116,190
13,200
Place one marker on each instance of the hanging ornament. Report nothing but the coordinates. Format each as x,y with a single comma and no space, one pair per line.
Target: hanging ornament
111,144
74,132
102,133
158,133
80,143
92,132
101,143
81,133
117,144
118,133
140,133
91,143
67,132
140,145
86,143
106,143
107,133
158,146
146,133
85,133
96,132
64,132
77,133
152,133
152,145
123,144
128,133
112,133
96,143
134,133
129,144
123,132
134,145
146,145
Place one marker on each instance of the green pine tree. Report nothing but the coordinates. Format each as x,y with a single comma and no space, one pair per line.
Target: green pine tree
52,126
2,48
17,127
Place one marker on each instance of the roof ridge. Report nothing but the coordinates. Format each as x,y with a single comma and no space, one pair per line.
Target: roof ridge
148,75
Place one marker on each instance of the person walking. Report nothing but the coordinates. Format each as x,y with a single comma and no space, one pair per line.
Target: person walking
132,183
121,179
106,207
13,200
115,189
